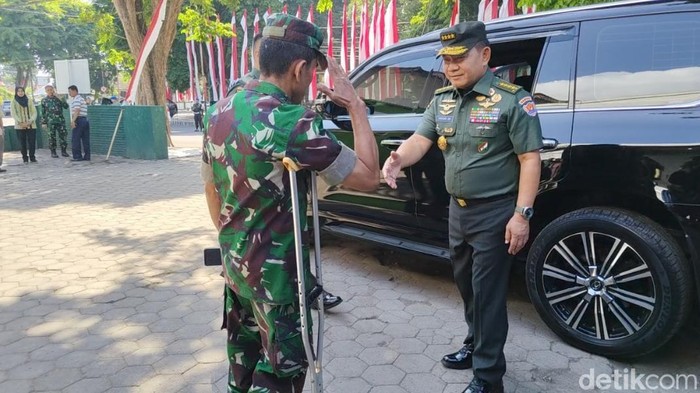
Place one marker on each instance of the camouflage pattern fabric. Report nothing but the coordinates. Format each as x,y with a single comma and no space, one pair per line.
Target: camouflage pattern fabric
264,346
52,112
244,144
235,87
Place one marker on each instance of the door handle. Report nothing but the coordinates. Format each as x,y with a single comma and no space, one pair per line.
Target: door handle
392,142
549,143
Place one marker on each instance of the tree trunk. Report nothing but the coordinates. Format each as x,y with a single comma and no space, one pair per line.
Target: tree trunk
151,90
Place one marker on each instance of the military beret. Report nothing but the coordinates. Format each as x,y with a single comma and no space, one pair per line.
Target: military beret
288,28
458,39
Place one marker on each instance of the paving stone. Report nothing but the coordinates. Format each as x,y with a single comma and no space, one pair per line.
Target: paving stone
383,375
57,379
378,355
422,383
407,345
346,367
414,363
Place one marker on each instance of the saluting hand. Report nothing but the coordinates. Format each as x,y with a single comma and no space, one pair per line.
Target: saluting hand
391,169
517,233
343,92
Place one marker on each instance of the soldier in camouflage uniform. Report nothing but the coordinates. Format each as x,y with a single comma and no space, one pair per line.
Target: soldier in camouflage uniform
247,191
52,111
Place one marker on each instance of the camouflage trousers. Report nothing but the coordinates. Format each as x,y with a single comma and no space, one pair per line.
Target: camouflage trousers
59,129
264,346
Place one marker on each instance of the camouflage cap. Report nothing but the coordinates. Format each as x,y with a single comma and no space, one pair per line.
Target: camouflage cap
291,29
458,39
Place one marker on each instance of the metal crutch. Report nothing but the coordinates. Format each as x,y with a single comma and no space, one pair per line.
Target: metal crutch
314,358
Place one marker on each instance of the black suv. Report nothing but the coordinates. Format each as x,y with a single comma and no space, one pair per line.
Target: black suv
613,263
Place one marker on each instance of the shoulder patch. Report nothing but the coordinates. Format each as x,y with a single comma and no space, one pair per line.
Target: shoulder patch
444,89
507,86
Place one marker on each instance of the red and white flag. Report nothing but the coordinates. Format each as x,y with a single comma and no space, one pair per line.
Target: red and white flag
197,89
234,50
190,63
529,9
373,30
221,63
284,9
314,79
298,15
507,9
329,28
149,42
344,39
488,10
244,46
364,33
267,14
380,25
353,41
391,27
212,70
256,23
454,19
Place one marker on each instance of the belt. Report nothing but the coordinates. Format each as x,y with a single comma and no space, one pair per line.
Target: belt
80,117
480,201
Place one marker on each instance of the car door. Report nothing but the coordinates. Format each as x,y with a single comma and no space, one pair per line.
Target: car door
542,61
397,86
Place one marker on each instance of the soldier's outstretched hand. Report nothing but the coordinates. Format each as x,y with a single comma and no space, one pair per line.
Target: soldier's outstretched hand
343,92
391,169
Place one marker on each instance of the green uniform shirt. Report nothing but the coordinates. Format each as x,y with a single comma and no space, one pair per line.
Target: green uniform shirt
481,132
52,110
247,137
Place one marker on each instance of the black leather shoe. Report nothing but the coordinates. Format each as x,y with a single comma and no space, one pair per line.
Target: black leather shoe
478,385
329,301
64,153
460,360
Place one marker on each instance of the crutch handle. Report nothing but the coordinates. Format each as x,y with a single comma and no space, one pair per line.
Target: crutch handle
290,165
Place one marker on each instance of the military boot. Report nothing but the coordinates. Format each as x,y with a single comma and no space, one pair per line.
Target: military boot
64,153
53,153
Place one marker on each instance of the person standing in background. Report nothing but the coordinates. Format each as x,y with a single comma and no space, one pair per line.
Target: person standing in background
24,114
52,113
80,126
197,110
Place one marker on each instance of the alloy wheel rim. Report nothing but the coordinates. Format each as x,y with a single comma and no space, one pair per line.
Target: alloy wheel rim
598,285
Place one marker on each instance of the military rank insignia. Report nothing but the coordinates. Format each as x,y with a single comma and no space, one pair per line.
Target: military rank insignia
442,143
447,107
482,146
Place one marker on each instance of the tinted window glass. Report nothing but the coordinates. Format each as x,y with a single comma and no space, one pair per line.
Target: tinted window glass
639,61
405,86
554,79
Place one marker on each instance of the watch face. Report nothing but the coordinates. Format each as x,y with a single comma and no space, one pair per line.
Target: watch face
528,212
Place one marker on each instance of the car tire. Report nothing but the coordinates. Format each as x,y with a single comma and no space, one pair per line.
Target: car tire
609,281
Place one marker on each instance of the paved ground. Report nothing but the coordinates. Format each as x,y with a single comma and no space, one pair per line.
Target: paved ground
102,288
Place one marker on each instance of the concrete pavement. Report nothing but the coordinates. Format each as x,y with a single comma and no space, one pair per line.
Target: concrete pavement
102,289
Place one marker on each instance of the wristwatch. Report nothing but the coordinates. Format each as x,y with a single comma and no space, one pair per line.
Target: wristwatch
526,211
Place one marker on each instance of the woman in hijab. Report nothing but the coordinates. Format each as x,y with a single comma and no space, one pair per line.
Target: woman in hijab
24,113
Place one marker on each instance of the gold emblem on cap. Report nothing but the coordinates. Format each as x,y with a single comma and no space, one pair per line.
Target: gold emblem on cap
453,51
442,143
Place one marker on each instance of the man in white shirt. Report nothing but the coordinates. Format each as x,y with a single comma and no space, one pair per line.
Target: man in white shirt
80,134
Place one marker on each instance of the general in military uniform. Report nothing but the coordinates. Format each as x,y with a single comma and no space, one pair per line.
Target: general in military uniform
52,111
490,135
248,196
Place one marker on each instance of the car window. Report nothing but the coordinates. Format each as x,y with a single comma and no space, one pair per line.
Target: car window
639,61
517,61
554,77
405,84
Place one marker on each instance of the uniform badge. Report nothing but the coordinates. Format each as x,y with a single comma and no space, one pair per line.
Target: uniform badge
448,131
480,98
496,98
528,106
482,146
442,143
492,91
447,106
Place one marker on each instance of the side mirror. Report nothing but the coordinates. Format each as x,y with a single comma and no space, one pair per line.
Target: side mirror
339,115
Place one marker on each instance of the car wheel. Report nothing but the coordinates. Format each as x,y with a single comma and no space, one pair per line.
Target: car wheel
609,281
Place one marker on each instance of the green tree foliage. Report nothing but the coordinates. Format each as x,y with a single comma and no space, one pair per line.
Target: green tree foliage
544,5
35,33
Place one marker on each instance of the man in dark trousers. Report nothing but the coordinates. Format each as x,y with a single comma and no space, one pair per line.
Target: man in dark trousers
52,112
80,134
197,110
490,136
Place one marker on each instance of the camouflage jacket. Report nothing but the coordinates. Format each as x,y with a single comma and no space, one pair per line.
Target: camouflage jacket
52,110
247,137
238,84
